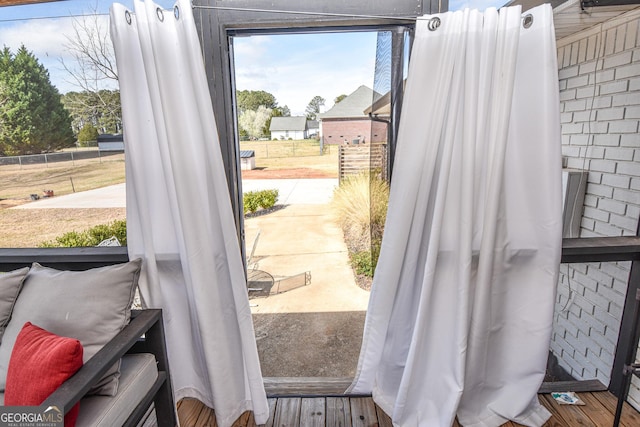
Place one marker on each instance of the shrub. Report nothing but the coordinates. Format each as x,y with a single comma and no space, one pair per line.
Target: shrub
362,263
265,199
250,202
90,237
360,207
87,134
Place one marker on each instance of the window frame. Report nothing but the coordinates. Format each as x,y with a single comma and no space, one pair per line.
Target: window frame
218,21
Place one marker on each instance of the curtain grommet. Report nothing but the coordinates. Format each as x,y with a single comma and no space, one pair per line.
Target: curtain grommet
127,16
176,12
160,14
527,21
434,24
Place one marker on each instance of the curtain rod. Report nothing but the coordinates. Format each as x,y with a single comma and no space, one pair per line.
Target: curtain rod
434,22
299,12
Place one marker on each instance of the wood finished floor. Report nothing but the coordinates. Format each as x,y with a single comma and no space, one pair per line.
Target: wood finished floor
362,411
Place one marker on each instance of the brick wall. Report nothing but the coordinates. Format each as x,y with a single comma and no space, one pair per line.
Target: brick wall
336,131
599,71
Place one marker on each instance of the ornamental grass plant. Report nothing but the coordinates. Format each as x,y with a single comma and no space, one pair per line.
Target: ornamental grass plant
360,207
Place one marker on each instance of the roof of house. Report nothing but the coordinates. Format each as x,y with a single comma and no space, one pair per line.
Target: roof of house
313,124
353,105
247,154
295,123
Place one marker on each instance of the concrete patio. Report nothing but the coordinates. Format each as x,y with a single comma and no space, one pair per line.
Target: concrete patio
314,330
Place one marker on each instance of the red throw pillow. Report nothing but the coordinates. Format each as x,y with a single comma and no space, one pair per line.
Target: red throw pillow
40,362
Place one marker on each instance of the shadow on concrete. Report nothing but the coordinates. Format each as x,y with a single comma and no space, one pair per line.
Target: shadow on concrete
309,344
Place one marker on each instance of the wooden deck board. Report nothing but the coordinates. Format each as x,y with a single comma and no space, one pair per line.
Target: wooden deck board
306,386
556,420
363,412
596,410
312,412
384,420
272,411
338,412
630,417
347,411
572,415
288,412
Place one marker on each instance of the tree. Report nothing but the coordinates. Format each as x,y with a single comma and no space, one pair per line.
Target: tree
281,111
88,133
339,98
276,112
101,109
94,60
313,109
32,116
252,99
93,68
253,122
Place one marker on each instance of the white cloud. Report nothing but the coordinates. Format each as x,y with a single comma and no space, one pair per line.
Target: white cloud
295,68
47,39
42,37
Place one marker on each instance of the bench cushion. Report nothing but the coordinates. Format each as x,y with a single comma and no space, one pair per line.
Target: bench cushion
138,373
92,306
10,285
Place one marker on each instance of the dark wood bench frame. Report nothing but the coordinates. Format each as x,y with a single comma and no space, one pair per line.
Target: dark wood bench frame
129,340
145,333
595,249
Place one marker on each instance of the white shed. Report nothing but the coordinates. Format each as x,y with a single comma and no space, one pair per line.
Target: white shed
247,160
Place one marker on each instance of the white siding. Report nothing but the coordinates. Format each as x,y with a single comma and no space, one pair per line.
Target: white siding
286,134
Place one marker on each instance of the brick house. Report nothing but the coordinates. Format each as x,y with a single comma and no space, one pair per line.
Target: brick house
599,82
348,122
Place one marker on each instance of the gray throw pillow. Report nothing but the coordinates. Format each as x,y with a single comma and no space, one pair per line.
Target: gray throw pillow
91,306
10,285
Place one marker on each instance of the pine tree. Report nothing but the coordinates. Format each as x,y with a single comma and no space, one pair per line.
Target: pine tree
88,133
313,109
32,117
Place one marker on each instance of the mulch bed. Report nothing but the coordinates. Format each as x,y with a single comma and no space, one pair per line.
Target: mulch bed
286,173
363,281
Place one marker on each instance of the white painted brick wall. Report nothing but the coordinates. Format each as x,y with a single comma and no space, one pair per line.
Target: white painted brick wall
600,114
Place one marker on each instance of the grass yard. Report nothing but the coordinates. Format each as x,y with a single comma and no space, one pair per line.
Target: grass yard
294,155
31,227
23,228
18,183
28,228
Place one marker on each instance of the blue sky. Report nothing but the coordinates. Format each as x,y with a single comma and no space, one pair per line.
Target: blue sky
43,28
294,68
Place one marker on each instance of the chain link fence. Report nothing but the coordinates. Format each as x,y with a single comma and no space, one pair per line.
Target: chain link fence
65,156
279,149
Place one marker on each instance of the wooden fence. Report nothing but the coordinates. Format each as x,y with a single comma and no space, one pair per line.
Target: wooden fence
360,158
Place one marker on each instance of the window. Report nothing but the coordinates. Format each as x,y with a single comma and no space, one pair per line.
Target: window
308,321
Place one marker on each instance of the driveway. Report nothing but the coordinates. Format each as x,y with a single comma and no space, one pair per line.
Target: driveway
113,196
291,192
313,330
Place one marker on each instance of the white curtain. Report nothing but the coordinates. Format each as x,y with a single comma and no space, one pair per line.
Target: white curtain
459,320
179,215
